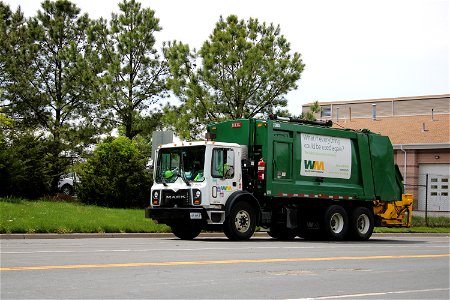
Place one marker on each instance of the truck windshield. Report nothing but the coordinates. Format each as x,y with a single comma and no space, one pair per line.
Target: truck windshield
187,163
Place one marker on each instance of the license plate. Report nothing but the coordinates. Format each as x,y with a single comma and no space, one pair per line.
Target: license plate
196,216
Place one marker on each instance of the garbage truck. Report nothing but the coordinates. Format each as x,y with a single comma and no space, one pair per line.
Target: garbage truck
287,176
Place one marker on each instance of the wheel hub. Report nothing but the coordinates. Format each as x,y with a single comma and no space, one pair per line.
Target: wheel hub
362,224
337,223
242,221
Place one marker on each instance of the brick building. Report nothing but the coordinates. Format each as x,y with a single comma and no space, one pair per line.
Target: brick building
419,129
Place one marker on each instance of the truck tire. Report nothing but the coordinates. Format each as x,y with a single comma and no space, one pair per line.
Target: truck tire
240,224
67,190
335,223
186,231
361,224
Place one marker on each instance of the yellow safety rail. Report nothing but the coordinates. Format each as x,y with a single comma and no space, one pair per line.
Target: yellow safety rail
394,213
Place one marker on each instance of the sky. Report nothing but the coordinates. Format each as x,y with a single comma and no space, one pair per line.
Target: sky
352,49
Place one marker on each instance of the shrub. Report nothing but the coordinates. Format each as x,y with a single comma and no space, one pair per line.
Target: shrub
26,166
115,176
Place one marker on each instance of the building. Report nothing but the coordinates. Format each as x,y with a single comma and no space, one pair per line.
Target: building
419,129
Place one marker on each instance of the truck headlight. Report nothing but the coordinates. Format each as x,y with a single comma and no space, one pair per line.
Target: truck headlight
197,197
155,197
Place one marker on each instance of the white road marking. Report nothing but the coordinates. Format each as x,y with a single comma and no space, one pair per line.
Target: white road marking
373,294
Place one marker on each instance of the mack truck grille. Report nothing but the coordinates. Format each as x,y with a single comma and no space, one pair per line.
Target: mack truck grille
179,198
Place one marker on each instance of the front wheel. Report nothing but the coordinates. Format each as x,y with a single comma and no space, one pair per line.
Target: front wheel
241,222
186,231
361,224
335,223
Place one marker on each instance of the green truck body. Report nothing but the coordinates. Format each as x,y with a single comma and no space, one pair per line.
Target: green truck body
369,172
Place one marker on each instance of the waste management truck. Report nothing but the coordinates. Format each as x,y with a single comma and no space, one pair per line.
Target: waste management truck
286,176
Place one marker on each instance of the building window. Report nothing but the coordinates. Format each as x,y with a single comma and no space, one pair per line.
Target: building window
325,112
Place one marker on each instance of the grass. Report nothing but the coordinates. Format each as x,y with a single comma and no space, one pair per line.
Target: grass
419,225
56,216
47,216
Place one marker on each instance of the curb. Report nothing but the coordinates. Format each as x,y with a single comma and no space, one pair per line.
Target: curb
22,236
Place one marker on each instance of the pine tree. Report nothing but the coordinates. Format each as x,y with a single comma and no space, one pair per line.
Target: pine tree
246,69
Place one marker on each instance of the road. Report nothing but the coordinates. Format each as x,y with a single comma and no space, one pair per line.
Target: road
385,267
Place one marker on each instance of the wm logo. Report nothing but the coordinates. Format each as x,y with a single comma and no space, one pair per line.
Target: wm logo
313,165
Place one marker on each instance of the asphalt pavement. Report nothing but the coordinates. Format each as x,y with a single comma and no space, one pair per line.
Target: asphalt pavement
388,266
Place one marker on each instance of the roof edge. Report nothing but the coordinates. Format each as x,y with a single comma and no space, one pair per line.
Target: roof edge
356,101
421,146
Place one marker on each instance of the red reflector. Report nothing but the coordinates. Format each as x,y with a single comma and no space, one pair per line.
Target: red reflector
155,202
197,201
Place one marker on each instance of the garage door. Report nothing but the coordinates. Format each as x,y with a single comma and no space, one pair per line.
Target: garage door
437,187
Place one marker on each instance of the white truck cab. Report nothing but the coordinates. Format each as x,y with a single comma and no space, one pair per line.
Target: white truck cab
193,182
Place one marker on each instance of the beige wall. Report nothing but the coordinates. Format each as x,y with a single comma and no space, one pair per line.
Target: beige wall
387,108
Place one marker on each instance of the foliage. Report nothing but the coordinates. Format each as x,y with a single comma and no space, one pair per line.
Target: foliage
115,175
5,122
45,216
135,76
50,72
49,83
310,115
27,165
247,68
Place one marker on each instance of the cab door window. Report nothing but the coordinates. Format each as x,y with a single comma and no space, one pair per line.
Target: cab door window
223,163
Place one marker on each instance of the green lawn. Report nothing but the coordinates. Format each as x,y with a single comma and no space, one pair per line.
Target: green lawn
23,216
47,216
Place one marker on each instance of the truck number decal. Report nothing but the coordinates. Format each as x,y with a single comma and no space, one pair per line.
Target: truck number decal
325,156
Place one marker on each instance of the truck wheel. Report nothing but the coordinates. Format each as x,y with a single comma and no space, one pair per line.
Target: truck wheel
241,222
335,222
361,224
67,190
186,231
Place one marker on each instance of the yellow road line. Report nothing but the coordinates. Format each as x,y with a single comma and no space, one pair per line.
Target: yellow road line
223,262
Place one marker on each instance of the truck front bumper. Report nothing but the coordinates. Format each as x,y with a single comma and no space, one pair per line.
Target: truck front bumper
166,215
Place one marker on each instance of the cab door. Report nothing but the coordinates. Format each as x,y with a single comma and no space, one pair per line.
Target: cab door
224,173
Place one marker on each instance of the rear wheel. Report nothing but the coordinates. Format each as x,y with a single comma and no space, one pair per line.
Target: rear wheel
335,222
361,224
241,222
186,231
